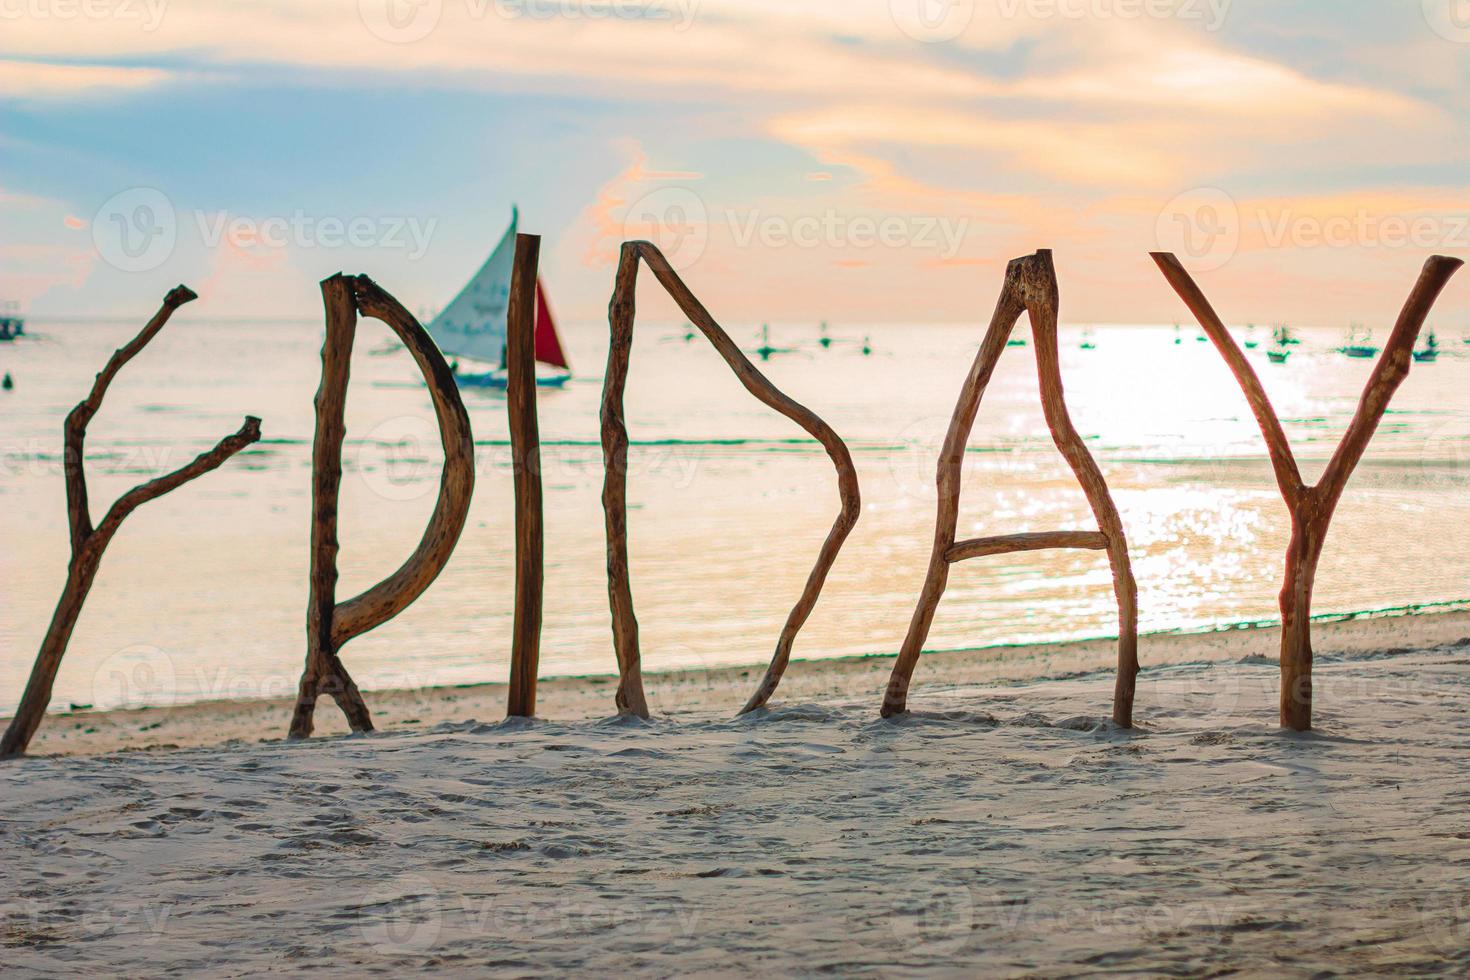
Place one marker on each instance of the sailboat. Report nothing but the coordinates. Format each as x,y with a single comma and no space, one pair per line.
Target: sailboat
11,323
473,326
1283,341
1429,353
765,350
1359,342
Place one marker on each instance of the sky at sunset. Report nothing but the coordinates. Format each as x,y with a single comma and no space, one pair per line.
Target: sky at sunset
859,161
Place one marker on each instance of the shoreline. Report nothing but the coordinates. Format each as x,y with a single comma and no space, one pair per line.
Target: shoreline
698,693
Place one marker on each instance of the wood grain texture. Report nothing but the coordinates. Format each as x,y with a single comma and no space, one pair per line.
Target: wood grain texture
630,697
1008,544
330,625
1311,507
525,448
89,543
1030,287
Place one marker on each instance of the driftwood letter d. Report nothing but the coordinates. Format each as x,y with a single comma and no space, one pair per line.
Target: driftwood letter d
329,625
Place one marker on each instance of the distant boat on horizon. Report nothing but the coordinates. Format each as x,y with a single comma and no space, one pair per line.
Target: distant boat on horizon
766,350
1281,340
12,324
1359,343
473,326
1429,353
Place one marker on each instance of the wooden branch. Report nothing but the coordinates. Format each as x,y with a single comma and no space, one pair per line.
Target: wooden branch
1288,476
525,448
87,543
75,430
329,625
397,592
1013,543
1311,508
615,454
212,459
1042,302
629,697
1031,287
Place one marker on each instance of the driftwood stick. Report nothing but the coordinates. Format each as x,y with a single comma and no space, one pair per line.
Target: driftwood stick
615,450
1311,508
1009,544
525,448
1042,302
1030,287
87,543
948,474
329,625
629,697
398,591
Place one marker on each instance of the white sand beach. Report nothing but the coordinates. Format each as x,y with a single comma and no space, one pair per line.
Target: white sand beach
1003,828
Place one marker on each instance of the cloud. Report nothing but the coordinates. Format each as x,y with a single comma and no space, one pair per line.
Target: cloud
35,80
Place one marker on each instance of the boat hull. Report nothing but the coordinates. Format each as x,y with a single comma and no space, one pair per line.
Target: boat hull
498,381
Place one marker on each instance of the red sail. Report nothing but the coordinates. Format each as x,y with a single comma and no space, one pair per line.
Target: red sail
548,344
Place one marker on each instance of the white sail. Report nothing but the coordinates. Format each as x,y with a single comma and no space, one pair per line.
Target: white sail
473,324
